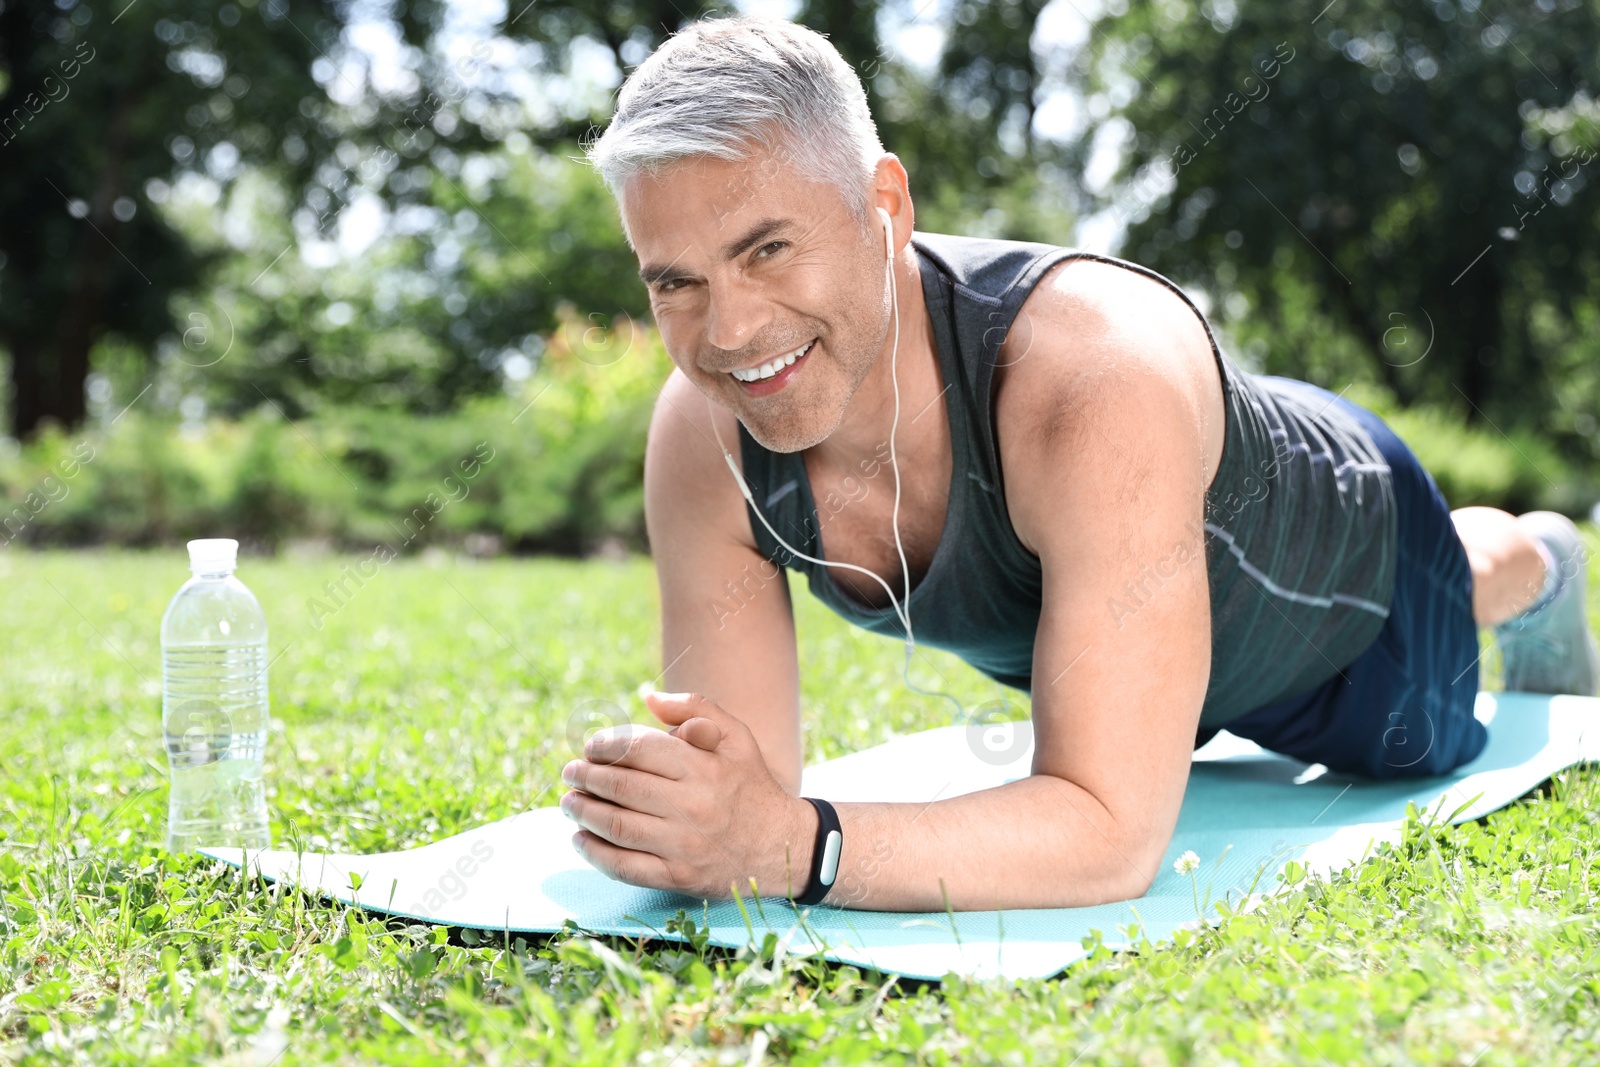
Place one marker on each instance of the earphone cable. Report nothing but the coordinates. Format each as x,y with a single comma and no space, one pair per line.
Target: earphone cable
901,612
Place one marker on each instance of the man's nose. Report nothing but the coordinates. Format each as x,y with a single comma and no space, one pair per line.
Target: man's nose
738,312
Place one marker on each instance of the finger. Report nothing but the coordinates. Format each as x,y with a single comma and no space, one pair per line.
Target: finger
682,709
621,827
700,732
627,788
641,747
622,864
677,708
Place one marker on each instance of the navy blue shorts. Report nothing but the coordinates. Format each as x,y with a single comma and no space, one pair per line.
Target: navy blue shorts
1403,707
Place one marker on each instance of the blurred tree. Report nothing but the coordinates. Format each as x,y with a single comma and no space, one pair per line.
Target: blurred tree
190,171
989,64
457,299
95,104
1418,173
852,27
505,231
104,110
965,131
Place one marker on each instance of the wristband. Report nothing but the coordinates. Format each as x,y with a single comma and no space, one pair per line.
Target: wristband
825,853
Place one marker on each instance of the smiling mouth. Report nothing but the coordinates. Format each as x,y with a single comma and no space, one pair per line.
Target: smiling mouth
773,366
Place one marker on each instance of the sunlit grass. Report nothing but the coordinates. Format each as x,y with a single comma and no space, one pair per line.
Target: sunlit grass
442,694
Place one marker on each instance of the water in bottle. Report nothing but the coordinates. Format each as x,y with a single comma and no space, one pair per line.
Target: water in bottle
214,705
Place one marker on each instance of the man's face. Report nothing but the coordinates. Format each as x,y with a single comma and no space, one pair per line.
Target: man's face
748,262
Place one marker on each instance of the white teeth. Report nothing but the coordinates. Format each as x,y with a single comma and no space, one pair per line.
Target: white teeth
767,370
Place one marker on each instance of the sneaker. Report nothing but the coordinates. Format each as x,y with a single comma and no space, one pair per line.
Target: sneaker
1551,650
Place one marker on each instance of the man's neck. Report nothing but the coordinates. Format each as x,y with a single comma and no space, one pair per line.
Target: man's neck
865,428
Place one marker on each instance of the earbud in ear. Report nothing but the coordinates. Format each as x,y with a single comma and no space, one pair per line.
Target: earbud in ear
888,233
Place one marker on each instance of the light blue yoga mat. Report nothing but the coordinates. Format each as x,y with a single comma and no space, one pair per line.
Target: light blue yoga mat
1253,809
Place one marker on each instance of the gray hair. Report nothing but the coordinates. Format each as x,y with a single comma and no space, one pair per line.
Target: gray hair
725,86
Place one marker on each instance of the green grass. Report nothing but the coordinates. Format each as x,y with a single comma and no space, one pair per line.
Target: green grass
449,693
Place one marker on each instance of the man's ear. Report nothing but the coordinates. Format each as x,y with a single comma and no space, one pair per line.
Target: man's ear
891,191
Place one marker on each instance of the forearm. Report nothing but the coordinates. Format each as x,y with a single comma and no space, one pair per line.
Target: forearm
1039,842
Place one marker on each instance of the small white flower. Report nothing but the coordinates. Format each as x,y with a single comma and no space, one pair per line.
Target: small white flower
1186,862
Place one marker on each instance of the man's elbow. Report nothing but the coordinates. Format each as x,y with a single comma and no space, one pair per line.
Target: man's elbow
1134,860
1138,882
1120,877
1100,850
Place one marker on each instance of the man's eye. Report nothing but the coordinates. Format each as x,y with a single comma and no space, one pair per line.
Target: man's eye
773,244
669,287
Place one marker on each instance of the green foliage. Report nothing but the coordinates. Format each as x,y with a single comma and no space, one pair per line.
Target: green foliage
498,249
965,134
136,116
1517,473
229,288
439,697
1432,167
1514,470
557,467
96,103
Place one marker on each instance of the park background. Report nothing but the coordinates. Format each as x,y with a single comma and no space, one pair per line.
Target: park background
278,267
275,269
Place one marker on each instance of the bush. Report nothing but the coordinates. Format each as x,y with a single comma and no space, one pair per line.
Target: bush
1515,471
558,467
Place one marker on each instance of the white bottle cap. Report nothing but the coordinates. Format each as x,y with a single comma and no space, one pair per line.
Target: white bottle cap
213,555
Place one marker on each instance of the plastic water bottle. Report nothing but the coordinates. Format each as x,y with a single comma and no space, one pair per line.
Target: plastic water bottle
214,705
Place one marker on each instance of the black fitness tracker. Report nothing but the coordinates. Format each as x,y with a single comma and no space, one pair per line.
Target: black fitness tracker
825,854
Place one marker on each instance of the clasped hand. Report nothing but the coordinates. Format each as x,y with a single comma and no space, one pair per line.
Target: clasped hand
693,809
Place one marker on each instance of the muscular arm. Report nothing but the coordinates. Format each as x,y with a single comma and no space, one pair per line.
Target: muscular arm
727,626
1105,475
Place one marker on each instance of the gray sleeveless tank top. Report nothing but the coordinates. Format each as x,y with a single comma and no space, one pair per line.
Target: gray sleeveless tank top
1299,521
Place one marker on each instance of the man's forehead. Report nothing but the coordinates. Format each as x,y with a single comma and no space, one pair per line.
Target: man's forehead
714,173
703,191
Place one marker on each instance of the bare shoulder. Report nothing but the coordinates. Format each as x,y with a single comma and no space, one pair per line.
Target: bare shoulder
1089,321
688,488
1096,341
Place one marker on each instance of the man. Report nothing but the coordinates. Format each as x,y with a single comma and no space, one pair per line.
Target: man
1088,501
